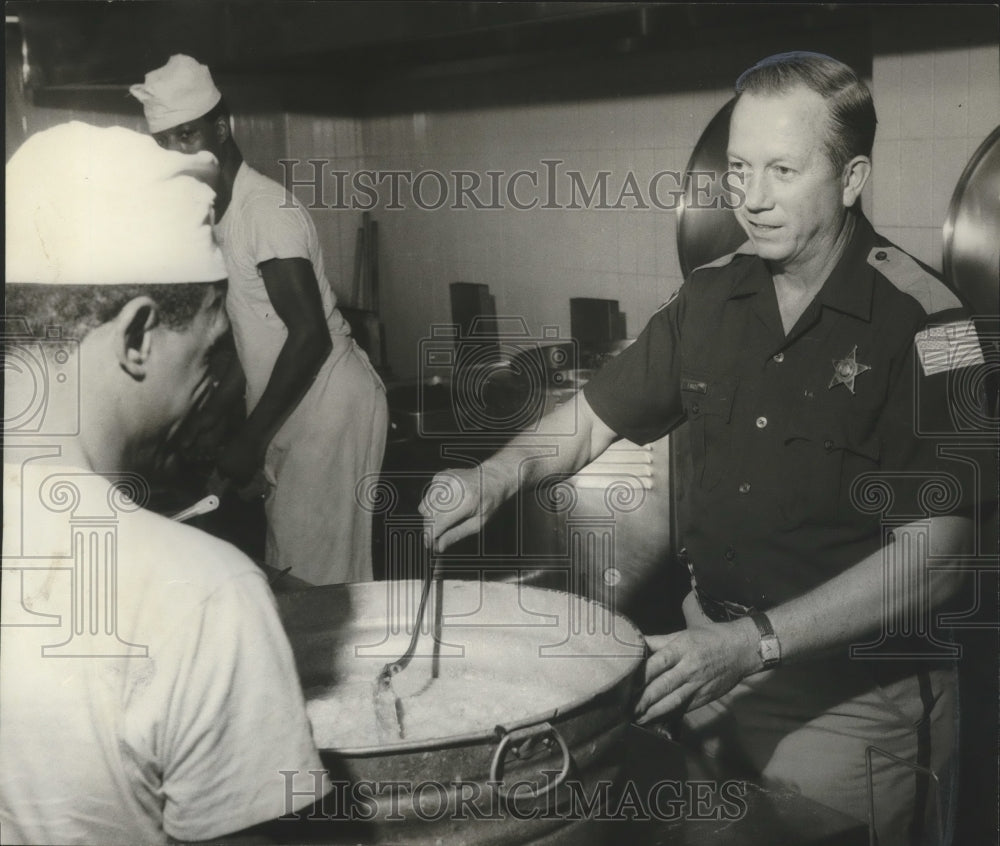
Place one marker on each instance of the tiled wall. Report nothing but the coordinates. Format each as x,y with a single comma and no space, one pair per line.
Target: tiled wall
935,107
534,260
336,141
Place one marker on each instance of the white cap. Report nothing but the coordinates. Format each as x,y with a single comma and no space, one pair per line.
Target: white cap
180,91
87,205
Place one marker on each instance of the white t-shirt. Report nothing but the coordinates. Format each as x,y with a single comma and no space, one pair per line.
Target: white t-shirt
264,222
147,687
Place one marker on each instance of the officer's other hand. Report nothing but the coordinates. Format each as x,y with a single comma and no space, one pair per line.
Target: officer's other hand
457,503
693,667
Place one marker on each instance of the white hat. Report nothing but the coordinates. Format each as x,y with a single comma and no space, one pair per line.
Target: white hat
87,205
180,91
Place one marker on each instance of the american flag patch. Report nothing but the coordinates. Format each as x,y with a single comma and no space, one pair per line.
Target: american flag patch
948,347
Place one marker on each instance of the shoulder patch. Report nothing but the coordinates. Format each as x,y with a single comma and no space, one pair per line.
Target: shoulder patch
745,249
948,347
903,271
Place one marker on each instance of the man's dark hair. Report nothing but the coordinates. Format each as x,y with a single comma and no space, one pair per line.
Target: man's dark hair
78,309
849,102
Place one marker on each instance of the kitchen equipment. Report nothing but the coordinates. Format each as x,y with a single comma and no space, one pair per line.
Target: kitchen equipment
472,306
527,639
971,245
420,409
202,506
388,705
706,228
594,322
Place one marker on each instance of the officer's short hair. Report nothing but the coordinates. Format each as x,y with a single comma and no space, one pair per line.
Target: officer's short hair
852,112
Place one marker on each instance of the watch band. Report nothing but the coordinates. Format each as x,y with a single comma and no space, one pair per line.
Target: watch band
769,648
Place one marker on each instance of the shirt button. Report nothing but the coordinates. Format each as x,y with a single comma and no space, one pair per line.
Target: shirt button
779,357
807,394
744,487
828,445
730,553
881,255
695,408
761,422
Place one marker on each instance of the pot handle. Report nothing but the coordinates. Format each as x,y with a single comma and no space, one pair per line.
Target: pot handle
519,742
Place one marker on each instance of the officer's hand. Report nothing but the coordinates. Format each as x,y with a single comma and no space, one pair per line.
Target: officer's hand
693,667
457,503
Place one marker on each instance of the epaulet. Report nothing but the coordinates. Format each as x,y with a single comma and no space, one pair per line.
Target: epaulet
673,297
906,273
745,249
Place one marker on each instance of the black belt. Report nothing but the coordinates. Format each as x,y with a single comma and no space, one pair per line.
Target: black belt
717,610
722,610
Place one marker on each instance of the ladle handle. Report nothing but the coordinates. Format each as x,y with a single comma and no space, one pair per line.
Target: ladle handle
400,663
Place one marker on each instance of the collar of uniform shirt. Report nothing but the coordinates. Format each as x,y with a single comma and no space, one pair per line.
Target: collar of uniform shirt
847,288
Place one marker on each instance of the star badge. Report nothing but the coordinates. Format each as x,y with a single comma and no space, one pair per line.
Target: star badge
847,370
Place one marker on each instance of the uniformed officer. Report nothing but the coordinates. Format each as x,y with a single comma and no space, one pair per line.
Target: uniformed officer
812,367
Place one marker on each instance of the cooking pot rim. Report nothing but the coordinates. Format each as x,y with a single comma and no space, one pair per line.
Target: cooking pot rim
494,734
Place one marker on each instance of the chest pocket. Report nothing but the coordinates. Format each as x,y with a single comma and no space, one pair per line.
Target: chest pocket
708,406
823,457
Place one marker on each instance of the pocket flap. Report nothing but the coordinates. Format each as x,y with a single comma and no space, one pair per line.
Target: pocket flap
833,436
707,395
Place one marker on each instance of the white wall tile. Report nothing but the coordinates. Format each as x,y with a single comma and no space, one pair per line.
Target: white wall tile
949,161
984,91
886,89
652,120
919,241
885,183
916,101
916,179
951,93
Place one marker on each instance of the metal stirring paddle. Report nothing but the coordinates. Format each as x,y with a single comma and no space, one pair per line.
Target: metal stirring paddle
388,706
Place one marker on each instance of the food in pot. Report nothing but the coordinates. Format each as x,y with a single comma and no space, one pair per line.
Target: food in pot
343,715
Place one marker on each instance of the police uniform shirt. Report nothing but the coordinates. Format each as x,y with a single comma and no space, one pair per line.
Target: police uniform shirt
803,445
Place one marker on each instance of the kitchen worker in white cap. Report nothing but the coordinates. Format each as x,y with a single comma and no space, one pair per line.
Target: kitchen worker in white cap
148,693
318,417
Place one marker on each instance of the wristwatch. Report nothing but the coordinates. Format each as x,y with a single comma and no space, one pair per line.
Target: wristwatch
769,649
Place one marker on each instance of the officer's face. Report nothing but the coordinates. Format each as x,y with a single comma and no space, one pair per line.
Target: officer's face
794,205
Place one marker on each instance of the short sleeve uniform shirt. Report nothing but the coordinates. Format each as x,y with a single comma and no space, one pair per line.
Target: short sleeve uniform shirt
801,445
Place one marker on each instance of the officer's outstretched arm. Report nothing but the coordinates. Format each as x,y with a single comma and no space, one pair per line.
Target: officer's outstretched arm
458,502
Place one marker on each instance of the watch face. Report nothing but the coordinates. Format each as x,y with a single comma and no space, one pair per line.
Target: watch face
770,651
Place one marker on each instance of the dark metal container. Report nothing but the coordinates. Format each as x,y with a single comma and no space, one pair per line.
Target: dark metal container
540,776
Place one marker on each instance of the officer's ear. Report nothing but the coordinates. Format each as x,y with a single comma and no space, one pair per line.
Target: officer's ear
854,178
133,335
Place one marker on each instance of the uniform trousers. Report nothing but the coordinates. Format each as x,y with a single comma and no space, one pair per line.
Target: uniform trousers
807,727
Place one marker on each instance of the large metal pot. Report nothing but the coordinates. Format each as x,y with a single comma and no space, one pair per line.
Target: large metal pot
528,779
